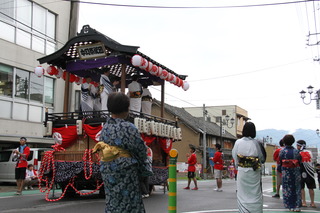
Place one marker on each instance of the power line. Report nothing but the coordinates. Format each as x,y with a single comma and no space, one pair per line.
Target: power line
199,7
175,97
249,72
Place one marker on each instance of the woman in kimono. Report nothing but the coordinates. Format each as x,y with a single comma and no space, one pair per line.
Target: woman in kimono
124,157
290,160
248,155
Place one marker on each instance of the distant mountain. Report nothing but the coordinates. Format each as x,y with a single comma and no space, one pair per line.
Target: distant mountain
310,136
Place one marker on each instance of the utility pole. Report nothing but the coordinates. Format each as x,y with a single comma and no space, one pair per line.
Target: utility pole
73,24
204,142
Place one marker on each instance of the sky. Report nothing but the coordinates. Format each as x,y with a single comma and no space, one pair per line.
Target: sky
252,57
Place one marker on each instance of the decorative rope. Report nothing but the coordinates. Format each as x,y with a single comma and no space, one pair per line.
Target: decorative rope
87,154
47,164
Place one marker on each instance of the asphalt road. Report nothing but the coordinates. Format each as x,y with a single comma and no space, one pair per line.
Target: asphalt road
204,200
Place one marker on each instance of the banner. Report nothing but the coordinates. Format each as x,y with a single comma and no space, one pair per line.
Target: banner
65,136
93,132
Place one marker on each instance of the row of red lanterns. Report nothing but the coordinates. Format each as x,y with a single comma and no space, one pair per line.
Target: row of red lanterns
148,66
60,73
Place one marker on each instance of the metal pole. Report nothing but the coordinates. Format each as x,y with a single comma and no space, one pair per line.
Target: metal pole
204,144
172,202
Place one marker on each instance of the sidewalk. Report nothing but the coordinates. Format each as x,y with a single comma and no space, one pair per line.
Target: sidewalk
7,190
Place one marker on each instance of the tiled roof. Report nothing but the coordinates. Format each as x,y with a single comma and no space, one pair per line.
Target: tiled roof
195,123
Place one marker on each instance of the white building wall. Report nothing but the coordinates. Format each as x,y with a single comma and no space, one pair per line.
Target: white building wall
23,58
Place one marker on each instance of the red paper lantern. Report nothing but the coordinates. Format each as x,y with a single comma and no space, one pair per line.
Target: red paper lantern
173,79
78,80
39,71
169,77
84,80
72,78
159,72
164,74
154,70
52,70
149,67
180,83
64,75
60,73
144,64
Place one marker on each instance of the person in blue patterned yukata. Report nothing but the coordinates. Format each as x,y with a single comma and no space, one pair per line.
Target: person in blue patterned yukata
290,160
124,157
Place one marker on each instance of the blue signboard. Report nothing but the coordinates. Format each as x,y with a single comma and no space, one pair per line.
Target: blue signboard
211,154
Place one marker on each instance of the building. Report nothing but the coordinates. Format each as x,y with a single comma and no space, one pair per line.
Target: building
30,30
192,129
222,116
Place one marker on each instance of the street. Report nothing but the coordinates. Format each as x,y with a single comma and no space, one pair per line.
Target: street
204,200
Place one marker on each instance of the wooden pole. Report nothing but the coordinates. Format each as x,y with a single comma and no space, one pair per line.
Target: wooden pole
73,23
123,78
162,100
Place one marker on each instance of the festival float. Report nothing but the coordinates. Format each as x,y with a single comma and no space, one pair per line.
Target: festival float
71,165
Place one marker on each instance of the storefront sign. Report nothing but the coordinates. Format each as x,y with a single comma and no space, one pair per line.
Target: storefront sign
91,51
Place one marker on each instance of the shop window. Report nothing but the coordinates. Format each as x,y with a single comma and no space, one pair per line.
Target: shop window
36,88
48,91
6,78
31,94
22,84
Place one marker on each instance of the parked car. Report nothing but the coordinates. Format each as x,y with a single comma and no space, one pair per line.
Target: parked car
8,162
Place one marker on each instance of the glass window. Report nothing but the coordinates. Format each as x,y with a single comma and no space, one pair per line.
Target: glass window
51,25
6,76
48,90
39,19
50,47
7,32
24,8
23,38
35,113
5,111
38,44
7,11
36,88
22,84
5,156
20,111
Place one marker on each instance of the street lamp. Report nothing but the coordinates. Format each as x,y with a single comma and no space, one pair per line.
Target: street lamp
310,91
225,123
231,121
